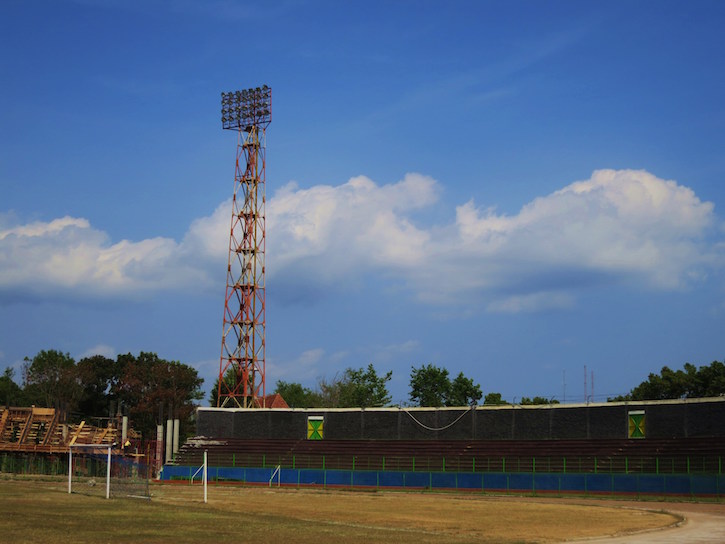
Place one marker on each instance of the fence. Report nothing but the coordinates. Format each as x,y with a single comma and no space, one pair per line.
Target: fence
49,465
56,464
465,464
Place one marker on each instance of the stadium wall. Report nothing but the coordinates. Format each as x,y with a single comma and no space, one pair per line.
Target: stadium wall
683,418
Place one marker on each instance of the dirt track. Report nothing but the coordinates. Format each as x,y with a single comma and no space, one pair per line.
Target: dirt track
703,523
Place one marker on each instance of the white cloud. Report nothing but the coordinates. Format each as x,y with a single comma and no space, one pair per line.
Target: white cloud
338,232
99,349
623,226
304,368
530,303
392,352
69,255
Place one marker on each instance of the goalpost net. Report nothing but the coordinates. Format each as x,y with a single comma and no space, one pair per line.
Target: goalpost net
98,469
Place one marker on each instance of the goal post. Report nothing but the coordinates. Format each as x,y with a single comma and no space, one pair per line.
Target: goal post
204,470
102,470
94,453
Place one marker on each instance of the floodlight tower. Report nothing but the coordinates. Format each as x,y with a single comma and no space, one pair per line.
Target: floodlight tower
242,364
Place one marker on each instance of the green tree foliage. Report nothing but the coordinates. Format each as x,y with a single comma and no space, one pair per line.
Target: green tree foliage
98,376
354,388
463,392
51,380
297,396
140,384
431,386
494,399
11,394
363,388
690,382
538,400
147,382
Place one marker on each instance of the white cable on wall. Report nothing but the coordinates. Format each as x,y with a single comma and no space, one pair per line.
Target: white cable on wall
433,428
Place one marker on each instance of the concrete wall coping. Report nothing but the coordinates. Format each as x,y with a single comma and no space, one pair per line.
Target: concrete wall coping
484,407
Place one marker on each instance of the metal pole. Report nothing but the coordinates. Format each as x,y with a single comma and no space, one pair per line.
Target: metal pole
70,467
206,474
108,474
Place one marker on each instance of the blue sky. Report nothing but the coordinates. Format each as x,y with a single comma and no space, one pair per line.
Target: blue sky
510,189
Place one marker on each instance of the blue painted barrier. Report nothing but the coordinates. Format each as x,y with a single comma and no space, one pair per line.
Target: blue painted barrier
520,482
364,479
546,482
444,480
624,483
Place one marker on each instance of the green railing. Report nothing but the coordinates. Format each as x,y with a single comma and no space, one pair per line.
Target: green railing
559,464
21,463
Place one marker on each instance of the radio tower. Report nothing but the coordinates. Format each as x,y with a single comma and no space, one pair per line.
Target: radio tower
242,365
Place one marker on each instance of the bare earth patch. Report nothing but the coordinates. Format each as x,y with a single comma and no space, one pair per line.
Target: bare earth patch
35,512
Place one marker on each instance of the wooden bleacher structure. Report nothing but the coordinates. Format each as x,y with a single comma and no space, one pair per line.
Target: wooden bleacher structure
33,429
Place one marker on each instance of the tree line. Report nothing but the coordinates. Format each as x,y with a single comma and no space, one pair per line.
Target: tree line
689,382
133,385
430,386
137,385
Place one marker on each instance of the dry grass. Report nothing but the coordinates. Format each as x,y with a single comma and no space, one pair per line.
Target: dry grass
43,512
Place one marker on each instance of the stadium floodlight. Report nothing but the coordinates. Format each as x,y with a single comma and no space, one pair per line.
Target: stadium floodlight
242,110
242,360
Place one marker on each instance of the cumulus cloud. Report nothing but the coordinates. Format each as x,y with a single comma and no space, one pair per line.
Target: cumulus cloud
623,226
618,226
338,232
69,255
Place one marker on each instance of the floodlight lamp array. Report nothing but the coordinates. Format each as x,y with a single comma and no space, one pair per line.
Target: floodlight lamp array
242,110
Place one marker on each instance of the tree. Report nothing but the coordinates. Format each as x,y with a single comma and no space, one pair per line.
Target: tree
97,375
51,380
430,386
11,394
463,392
297,396
537,400
691,382
363,388
147,382
709,381
494,399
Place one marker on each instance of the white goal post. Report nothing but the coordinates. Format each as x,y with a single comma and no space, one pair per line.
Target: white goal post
125,474
204,469
94,449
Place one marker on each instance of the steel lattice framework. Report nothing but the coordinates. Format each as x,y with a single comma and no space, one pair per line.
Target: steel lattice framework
242,361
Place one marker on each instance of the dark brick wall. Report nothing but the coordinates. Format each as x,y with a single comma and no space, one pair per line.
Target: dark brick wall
597,421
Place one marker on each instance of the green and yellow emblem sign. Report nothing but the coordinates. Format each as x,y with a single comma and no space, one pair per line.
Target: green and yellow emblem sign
314,427
636,424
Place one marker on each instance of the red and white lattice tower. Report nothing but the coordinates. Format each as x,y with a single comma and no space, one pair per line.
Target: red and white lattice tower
242,363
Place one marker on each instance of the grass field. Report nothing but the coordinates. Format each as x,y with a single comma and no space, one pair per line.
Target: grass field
34,511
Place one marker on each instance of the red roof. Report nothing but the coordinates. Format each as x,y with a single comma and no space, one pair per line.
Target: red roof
272,401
